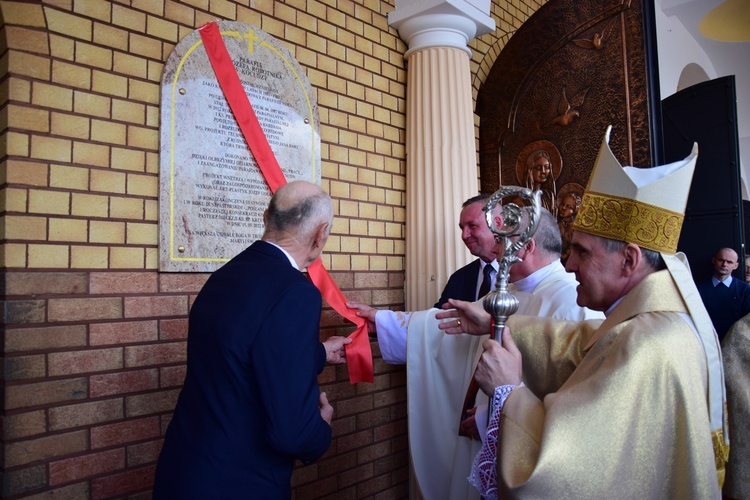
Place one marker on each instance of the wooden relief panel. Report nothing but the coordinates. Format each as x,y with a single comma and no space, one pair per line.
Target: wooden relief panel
575,67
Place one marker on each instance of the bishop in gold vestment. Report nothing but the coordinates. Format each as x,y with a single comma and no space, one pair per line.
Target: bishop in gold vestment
629,422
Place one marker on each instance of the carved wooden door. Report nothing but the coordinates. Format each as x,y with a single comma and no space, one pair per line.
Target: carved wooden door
572,69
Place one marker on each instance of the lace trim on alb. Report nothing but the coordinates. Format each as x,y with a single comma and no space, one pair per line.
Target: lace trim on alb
484,469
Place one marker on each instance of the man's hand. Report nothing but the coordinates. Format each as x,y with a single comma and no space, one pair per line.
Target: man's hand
499,364
469,424
335,352
326,410
365,311
465,317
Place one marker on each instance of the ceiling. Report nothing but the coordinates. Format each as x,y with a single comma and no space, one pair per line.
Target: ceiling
721,19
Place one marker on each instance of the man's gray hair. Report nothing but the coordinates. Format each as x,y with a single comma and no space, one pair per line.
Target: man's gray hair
653,258
547,235
302,217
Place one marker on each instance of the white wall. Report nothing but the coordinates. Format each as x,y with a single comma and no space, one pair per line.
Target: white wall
677,49
680,44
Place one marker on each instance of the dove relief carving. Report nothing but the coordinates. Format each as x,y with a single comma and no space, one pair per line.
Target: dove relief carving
567,110
597,41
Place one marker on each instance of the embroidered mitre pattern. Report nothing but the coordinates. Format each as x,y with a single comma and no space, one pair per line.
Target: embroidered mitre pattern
628,220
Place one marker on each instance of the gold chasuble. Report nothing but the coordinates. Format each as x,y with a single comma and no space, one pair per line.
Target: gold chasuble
736,348
617,411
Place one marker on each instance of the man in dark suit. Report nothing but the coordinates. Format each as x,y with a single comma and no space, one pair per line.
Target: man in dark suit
250,404
726,299
475,279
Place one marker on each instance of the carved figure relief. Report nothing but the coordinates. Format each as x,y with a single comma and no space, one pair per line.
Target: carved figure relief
568,202
538,166
572,69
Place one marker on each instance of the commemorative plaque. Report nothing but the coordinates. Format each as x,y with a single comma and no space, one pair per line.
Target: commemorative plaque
212,192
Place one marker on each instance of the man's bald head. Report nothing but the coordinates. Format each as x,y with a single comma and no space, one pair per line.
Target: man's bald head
725,261
298,208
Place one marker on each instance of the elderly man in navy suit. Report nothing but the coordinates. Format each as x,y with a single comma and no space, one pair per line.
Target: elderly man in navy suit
477,278
251,404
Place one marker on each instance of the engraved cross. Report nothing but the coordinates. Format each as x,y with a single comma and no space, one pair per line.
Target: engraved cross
251,39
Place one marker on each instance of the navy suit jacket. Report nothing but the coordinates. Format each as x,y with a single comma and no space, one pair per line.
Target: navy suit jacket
249,404
462,284
725,305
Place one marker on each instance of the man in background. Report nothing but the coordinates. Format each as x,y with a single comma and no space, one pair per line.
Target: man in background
726,299
250,404
477,278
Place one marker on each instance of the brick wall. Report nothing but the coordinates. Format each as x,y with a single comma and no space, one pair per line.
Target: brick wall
93,337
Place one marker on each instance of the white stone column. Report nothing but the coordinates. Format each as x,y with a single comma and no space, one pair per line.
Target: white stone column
441,167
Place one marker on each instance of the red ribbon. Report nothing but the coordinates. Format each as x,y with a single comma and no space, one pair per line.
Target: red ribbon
358,353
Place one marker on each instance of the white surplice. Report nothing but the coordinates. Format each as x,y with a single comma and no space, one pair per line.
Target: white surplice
439,370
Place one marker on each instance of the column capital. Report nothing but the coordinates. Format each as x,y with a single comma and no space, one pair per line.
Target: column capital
441,23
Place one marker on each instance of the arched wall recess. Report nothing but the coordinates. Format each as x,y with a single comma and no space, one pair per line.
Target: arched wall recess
691,74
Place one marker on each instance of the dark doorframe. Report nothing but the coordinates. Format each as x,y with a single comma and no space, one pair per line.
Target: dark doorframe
706,113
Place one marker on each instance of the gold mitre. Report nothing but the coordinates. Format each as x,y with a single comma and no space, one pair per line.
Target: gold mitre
645,206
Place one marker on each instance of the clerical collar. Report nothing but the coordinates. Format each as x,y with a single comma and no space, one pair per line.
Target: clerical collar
288,255
727,282
530,282
611,308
